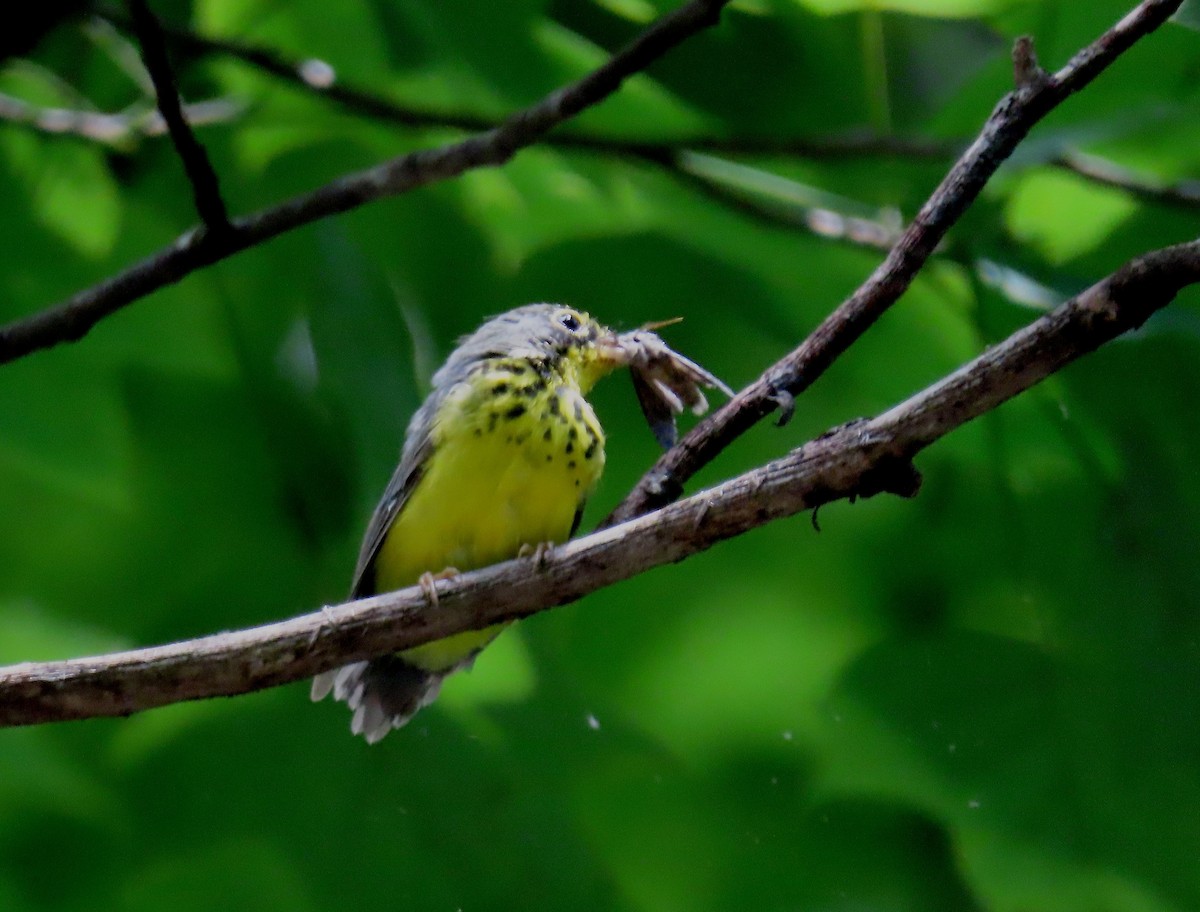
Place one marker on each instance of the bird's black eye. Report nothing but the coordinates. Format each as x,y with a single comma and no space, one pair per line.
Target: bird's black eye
570,321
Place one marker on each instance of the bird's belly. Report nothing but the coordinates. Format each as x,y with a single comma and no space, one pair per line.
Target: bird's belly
482,497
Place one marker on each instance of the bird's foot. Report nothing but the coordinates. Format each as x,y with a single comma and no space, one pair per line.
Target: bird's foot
427,581
540,553
328,620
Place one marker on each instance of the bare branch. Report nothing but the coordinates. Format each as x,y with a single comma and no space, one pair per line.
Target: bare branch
1185,194
1009,123
72,319
206,189
320,78
822,221
858,459
117,130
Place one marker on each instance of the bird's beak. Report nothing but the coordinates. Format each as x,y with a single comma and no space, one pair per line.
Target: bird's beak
622,349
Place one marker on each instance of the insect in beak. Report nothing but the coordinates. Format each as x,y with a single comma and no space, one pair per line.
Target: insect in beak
665,381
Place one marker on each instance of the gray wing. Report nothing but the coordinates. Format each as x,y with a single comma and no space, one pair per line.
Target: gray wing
503,335
418,446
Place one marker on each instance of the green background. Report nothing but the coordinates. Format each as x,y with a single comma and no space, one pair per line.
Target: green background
984,698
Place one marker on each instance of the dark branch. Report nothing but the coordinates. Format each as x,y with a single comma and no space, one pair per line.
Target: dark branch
377,107
825,223
206,189
72,319
857,459
1009,123
320,78
1184,195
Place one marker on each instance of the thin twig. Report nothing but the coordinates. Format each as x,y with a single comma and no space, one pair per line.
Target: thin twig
1009,123
825,223
71,320
206,189
117,130
858,459
321,79
1184,194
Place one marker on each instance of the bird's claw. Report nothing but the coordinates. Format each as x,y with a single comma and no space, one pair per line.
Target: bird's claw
540,553
785,402
428,582
329,619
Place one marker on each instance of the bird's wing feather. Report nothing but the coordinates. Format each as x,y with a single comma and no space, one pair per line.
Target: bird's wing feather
417,450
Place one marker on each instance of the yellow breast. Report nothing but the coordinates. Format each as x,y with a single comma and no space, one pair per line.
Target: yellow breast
515,454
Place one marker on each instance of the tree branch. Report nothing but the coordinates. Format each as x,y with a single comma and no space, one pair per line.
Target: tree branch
824,222
320,78
117,130
206,189
857,459
72,319
1184,194
1009,123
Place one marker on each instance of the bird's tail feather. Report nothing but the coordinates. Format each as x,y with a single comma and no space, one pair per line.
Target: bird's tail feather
383,693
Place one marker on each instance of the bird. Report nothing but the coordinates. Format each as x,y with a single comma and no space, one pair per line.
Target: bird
499,458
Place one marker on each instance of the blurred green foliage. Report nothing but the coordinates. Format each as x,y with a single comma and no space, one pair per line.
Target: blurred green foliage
981,699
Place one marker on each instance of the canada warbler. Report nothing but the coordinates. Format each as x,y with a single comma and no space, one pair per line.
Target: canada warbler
502,454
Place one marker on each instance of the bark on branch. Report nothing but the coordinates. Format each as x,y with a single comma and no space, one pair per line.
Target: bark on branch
858,459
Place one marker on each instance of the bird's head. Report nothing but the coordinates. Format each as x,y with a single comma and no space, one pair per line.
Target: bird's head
554,338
